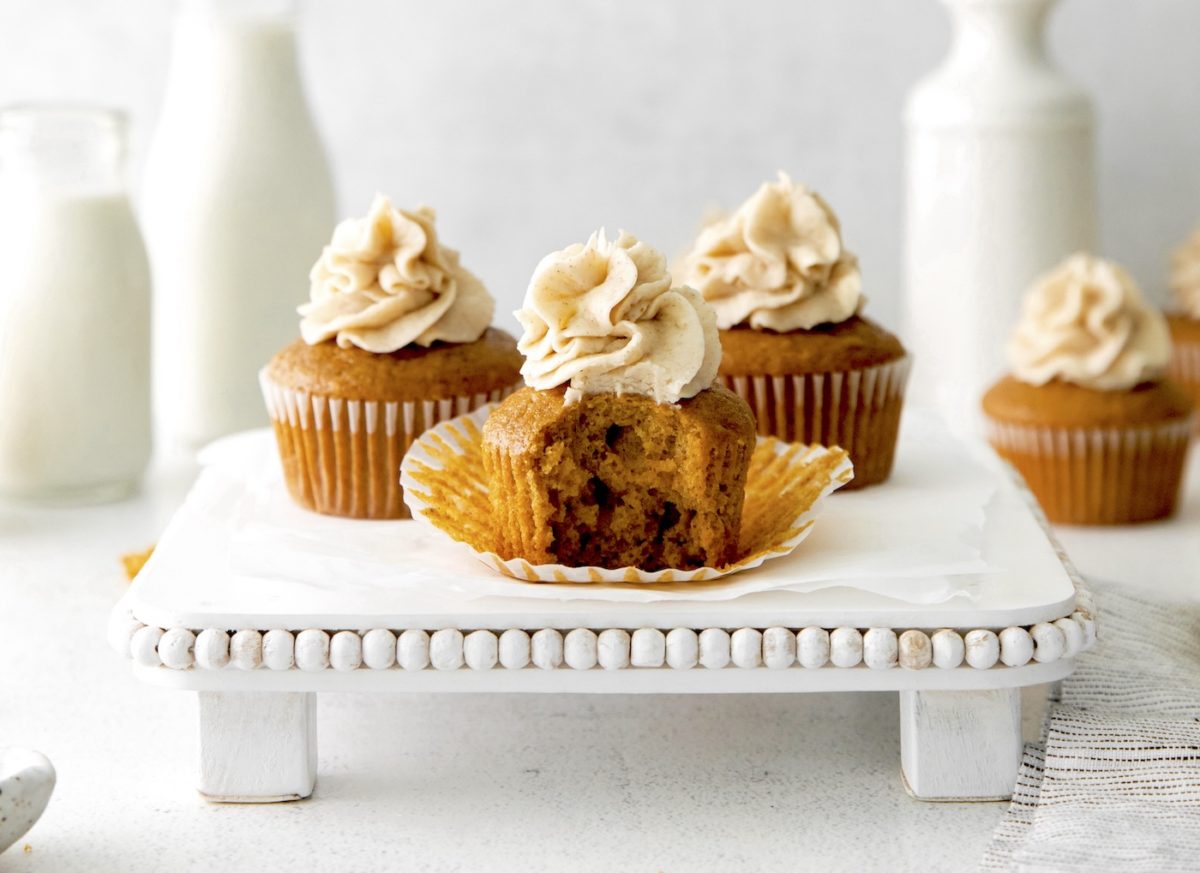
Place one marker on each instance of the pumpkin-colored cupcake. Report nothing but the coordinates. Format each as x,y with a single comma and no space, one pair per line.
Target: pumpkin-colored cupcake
1087,415
787,296
620,453
394,340
1184,318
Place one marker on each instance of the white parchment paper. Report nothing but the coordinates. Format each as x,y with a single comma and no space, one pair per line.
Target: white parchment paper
919,538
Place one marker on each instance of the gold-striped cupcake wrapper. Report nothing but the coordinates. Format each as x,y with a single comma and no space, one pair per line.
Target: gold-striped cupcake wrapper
1185,371
446,487
858,410
342,457
1097,475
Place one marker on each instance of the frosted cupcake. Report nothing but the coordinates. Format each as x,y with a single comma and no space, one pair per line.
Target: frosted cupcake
1087,415
787,295
621,452
1184,318
395,338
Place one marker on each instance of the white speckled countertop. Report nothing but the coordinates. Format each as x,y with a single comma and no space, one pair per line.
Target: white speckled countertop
471,782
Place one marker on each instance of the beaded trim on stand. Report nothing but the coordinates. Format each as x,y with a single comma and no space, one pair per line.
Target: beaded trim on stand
774,648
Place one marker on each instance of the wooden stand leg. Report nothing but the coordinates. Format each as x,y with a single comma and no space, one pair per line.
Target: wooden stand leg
960,745
257,747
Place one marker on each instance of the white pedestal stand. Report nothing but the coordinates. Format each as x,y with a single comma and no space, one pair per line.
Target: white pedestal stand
258,648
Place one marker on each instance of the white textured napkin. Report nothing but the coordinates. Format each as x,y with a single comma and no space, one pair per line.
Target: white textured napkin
1115,784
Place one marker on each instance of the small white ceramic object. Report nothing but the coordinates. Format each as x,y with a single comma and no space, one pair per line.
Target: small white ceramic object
26,783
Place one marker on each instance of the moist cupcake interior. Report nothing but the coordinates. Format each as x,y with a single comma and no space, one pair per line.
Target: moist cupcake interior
625,481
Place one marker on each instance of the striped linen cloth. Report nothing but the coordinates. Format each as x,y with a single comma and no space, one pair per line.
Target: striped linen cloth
1115,782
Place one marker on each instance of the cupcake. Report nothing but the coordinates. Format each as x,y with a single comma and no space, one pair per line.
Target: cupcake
1087,416
395,338
1184,320
621,452
787,296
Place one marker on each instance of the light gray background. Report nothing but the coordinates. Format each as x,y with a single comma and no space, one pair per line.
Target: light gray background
528,124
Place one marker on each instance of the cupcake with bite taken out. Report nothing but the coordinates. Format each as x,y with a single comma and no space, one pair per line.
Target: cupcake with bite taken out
1183,318
621,452
395,338
787,294
1087,415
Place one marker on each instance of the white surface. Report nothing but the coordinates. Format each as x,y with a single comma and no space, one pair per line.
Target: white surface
223,559
1000,186
236,203
601,116
460,782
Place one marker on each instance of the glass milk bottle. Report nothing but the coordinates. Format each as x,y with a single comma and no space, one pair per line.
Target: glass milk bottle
74,309
1000,187
237,203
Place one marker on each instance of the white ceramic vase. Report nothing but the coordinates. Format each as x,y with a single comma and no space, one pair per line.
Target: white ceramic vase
237,203
1000,186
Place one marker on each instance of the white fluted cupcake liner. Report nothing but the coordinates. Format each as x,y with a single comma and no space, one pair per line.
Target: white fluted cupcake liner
858,410
1098,475
342,457
1185,371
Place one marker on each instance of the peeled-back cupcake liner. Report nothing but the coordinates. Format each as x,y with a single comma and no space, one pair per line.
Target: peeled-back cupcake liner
446,487
1097,475
342,457
1184,370
858,410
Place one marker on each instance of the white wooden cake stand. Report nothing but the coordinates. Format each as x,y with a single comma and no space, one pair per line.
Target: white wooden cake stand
258,645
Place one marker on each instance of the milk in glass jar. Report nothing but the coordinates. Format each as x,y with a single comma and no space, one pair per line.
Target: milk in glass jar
74,309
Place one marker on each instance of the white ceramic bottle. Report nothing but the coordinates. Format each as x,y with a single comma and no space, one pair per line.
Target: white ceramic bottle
237,202
74,309
1000,186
